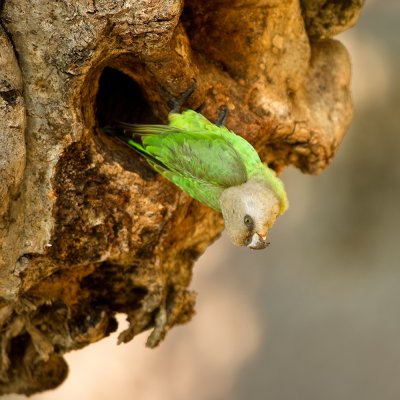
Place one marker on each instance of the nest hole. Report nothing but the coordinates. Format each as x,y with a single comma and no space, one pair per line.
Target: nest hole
121,99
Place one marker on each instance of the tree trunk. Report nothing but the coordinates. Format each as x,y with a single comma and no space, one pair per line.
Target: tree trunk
87,229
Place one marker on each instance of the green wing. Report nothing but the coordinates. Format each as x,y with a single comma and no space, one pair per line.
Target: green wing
190,119
201,158
249,156
197,157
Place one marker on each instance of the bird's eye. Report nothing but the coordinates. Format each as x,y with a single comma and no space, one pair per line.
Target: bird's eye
248,221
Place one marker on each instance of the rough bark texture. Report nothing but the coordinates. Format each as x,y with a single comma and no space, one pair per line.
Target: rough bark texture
87,229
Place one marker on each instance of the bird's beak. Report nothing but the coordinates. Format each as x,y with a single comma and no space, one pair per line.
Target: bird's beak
258,242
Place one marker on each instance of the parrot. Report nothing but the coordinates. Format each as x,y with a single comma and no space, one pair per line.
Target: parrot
216,167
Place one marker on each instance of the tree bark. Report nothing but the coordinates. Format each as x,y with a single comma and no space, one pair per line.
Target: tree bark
87,229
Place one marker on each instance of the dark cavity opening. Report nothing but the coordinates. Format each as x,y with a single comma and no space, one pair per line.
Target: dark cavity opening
120,99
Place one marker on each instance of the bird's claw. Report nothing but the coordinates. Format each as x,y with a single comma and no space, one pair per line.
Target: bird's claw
222,116
176,103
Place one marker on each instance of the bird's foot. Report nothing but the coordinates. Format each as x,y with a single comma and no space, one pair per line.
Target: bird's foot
176,103
222,116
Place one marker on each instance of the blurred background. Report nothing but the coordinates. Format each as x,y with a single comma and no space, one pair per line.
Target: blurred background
316,315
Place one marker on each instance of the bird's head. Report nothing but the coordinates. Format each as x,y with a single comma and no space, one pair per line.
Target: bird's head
249,211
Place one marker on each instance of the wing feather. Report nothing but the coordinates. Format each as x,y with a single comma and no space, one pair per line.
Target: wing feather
202,162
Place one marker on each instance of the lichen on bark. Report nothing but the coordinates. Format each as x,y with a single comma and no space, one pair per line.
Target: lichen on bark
87,229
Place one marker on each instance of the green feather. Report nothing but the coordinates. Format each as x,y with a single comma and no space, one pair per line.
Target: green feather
201,158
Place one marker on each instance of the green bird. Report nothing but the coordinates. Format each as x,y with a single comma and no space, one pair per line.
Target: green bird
216,167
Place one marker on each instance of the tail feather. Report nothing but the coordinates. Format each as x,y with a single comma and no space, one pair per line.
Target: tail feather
127,133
